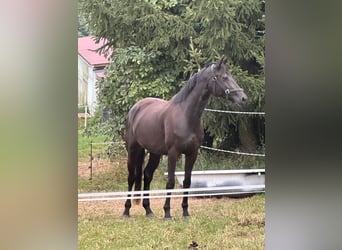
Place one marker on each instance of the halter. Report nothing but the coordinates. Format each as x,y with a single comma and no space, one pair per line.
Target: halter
226,91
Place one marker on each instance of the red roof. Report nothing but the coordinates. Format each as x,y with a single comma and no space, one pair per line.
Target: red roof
87,49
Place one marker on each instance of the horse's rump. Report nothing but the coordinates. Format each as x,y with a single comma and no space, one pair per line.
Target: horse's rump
145,124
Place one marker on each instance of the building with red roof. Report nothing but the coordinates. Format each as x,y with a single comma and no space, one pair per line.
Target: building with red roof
91,68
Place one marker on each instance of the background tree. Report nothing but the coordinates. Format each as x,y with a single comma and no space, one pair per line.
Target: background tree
133,74
82,27
159,44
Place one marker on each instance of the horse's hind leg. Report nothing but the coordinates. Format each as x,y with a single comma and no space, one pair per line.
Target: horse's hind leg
152,164
130,179
189,163
133,162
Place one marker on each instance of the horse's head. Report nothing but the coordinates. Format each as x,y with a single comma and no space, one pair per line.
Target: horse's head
222,84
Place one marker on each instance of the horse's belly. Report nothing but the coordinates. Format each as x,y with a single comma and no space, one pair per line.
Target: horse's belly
153,141
149,132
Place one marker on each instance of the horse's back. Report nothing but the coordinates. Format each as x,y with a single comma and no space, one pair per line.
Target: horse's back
143,103
146,106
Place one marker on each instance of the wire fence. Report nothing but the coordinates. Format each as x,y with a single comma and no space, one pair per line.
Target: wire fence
95,152
232,152
235,112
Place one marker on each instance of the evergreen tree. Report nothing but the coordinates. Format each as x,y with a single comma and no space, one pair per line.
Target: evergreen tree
82,27
159,44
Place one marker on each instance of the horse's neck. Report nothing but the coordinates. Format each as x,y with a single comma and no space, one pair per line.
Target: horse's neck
195,104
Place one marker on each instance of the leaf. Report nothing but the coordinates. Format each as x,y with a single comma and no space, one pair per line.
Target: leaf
159,44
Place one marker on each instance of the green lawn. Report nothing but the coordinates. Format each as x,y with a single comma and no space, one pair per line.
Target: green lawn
224,223
214,224
84,144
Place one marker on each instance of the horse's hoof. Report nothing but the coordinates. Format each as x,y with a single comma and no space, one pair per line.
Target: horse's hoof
168,218
187,217
124,216
150,215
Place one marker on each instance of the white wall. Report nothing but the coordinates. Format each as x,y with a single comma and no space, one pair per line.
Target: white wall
82,81
87,95
91,95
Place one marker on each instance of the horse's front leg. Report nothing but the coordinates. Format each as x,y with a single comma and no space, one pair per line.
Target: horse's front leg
189,163
172,159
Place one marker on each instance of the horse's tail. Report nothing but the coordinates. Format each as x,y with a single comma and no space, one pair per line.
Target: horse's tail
138,174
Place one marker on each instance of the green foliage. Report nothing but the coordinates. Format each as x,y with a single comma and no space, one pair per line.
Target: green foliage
234,29
132,75
84,144
221,161
149,24
98,128
82,27
196,59
159,44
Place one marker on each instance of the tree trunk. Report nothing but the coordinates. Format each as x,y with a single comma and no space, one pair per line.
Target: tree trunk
248,141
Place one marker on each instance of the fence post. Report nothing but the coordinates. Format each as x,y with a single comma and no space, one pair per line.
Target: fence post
91,161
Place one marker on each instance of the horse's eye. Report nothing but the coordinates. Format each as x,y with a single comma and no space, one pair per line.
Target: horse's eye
215,78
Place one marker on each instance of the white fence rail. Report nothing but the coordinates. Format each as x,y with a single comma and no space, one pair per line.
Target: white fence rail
162,193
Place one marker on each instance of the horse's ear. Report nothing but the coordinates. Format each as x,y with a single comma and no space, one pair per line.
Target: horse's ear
221,61
225,61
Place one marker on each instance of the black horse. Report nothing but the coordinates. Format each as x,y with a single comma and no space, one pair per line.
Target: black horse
173,128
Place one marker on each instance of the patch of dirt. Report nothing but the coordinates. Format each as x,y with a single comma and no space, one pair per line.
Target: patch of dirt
83,169
116,207
98,166
248,222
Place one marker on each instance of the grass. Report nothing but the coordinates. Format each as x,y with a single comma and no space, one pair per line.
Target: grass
220,161
214,224
84,144
111,175
223,223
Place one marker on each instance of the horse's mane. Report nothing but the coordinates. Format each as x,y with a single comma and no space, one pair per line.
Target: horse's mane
185,91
